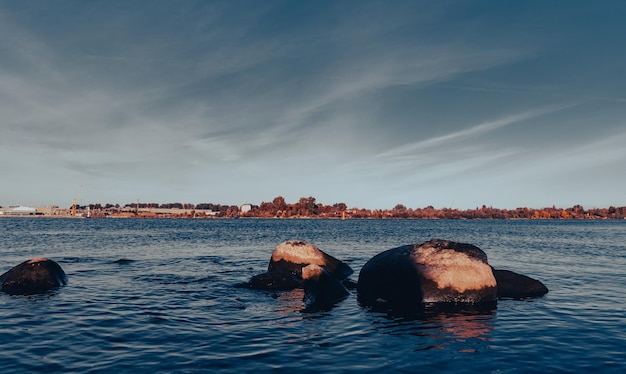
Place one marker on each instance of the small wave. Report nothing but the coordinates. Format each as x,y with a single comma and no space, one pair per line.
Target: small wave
123,261
78,260
173,279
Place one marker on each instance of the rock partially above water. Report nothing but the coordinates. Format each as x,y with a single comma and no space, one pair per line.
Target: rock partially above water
437,271
292,256
33,277
284,271
298,264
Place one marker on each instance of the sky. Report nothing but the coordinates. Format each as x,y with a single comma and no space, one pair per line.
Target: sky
453,104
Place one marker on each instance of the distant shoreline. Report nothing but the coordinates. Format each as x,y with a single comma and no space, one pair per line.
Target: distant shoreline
5,216
307,208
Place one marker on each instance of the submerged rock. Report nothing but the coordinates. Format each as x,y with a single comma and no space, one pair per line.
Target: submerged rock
272,280
32,277
517,286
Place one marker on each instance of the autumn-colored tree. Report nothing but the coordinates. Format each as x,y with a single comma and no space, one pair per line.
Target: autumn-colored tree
279,204
306,206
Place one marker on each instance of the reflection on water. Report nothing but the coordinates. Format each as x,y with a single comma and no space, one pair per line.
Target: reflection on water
289,302
462,328
441,327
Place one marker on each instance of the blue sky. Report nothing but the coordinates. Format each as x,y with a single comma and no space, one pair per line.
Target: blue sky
372,103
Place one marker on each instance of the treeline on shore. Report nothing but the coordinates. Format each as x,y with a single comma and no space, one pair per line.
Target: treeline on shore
308,207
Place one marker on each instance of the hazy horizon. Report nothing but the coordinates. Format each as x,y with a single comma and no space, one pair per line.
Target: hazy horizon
453,104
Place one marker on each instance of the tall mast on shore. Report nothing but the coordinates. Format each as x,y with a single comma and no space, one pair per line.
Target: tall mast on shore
75,201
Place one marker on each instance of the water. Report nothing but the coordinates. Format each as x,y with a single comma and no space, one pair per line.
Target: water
174,307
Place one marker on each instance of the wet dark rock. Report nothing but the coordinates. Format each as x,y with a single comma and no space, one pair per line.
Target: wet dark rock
272,280
33,277
321,289
437,271
518,286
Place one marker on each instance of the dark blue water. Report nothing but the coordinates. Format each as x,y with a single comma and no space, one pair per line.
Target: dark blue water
174,307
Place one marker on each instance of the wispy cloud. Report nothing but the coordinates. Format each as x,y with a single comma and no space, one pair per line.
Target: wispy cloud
481,128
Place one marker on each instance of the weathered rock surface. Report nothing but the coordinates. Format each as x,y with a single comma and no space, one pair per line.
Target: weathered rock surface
292,256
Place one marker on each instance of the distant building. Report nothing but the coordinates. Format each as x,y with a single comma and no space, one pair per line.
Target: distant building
47,210
245,208
19,211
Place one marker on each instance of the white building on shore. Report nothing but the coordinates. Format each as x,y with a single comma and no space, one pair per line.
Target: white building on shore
18,211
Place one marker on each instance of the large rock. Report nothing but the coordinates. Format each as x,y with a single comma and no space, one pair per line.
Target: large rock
437,271
32,277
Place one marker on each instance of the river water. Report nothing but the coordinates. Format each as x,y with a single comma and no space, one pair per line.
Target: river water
172,306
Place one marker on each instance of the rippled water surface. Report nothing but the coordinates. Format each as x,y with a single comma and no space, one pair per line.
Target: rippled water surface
171,304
